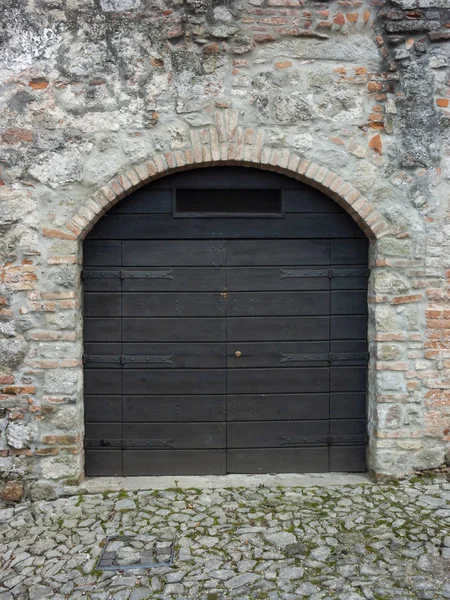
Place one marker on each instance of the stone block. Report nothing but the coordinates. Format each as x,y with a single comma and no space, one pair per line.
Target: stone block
12,492
60,467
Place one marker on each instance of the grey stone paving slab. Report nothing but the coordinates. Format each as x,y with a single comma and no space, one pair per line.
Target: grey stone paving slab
345,542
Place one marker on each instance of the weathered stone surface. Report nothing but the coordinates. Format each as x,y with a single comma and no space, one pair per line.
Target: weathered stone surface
12,492
353,538
290,108
60,466
42,490
12,352
18,435
92,90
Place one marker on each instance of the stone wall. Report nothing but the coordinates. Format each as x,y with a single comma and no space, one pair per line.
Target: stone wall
99,97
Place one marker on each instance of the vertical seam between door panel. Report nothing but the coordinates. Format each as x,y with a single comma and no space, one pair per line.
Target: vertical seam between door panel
329,354
121,354
225,242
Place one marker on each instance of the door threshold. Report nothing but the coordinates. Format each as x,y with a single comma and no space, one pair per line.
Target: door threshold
98,485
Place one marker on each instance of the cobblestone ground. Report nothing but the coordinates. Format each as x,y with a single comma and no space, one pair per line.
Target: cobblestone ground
347,542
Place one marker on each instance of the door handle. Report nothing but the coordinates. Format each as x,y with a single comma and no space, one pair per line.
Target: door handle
238,354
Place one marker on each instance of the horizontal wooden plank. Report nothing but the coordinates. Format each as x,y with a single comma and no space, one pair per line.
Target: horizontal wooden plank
349,252
103,462
309,200
103,348
174,462
219,202
167,304
353,346
350,283
103,434
173,436
107,304
348,459
271,278
348,379
102,253
107,407
146,200
165,330
241,253
348,328
272,304
276,381
273,354
147,227
346,426
277,434
174,253
227,177
349,302
350,405
277,328
196,279
174,408
273,407
208,381
176,356
99,283
99,329
278,460
102,381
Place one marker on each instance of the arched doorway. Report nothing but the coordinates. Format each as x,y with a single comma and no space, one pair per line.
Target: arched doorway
225,320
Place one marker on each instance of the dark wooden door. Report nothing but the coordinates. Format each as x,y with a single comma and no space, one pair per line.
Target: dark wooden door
225,330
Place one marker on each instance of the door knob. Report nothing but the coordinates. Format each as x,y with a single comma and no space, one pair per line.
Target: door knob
238,354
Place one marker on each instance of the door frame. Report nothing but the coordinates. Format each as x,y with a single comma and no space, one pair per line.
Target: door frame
233,152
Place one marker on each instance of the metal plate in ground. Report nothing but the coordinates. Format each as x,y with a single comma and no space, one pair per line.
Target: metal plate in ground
123,552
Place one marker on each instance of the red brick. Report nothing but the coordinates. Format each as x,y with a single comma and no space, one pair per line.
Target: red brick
38,84
62,260
374,86
261,38
14,390
376,144
15,135
47,451
392,366
60,439
407,299
57,233
339,19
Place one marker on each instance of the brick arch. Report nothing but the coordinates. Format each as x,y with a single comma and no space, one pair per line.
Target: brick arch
227,143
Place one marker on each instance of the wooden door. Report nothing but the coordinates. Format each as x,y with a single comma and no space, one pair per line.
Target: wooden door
225,317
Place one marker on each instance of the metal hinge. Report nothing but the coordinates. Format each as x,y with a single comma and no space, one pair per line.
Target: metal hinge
326,356
126,274
115,274
123,444
325,272
146,274
99,359
348,440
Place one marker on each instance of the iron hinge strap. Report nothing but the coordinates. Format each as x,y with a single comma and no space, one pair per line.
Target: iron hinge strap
290,273
347,440
103,274
326,356
99,359
123,444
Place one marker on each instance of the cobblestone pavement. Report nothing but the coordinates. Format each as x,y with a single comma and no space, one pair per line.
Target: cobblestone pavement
345,542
